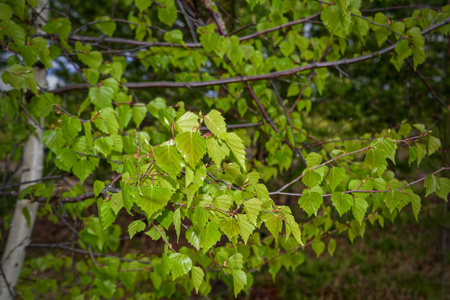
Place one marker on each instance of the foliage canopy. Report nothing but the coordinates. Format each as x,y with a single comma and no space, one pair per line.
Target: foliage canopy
232,134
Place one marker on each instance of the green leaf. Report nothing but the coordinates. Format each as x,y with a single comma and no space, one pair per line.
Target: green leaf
16,32
70,127
318,246
197,277
432,185
83,169
310,202
223,202
180,264
44,105
393,199
331,246
200,217
239,281
230,227
342,201
151,198
246,228
138,113
142,4
135,227
313,159
366,185
26,215
252,207
174,36
311,178
191,146
209,236
168,159
167,15
359,208
107,216
433,144
337,21
129,278
116,202
104,145
217,150
20,77
177,222
444,188
155,106
376,161
66,158
209,41
294,227
418,57
236,146
53,139
107,27
416,205
101,96
98,187
216,124
60,26
335,176
5,12
92,59
274,223
387,146
416,37
187,122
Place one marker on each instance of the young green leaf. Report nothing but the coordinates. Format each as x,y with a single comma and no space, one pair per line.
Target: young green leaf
230,227
432,185
311,178
234,142
433,144
310,202
187,122
151,199
313,159
135,227
335,176
359,208
209,236
239,281
252,207
197,277
342,202
217,150
192,147
274,223
318,246
216,124
180,264
168,158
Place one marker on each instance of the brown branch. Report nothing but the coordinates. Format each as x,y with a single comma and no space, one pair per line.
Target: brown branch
316,65
82,252
400,7
7,187
366,191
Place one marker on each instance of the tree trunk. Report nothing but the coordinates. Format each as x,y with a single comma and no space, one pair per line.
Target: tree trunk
32,167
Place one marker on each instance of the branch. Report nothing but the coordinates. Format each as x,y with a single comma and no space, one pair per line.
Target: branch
83,252
7,187
367,191
330,64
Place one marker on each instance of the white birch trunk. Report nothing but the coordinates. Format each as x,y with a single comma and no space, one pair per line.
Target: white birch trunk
32,166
